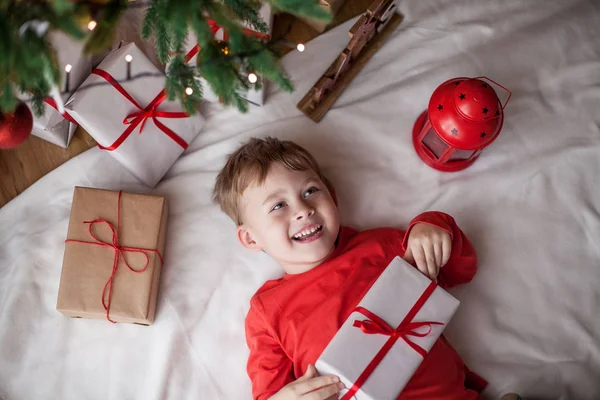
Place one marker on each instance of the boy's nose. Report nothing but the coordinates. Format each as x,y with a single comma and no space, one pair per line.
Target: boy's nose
304,212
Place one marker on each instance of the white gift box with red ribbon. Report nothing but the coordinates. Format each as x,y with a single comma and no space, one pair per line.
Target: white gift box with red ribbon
131,118
382,343
53,126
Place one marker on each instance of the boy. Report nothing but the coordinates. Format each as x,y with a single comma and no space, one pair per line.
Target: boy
283,205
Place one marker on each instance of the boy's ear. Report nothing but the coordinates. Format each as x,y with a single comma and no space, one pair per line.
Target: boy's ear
246,239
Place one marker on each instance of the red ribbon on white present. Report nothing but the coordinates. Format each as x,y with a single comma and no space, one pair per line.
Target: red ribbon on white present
65,115
376,325
140,118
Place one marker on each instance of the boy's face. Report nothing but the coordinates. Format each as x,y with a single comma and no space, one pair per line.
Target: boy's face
292,217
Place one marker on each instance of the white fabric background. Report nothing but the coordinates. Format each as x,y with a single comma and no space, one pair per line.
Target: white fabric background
530,205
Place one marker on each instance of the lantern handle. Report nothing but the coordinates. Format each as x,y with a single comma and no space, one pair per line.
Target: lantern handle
497,84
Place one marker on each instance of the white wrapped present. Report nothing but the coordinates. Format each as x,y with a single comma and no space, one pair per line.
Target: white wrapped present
52,126
254,96
131,118
383,342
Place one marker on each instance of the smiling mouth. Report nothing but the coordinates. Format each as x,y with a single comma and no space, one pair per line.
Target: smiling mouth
308,234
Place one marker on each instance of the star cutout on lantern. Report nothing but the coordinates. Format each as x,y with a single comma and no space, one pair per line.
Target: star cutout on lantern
454,132
485,110
484,85
462,96
440,107
482,134
457,83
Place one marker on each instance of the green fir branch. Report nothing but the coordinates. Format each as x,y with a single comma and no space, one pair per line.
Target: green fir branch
29,64
303,8
102,36
248,11
180,76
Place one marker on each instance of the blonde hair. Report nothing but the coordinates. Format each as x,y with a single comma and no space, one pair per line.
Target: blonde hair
250,165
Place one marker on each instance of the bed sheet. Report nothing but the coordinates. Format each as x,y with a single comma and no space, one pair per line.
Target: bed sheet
531,206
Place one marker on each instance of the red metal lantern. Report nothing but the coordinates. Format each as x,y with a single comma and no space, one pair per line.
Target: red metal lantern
464,116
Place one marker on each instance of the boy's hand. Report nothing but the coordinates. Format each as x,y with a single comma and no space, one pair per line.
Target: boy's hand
310,387
430,247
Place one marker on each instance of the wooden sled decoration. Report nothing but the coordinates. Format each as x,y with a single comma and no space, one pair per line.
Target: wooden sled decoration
367,36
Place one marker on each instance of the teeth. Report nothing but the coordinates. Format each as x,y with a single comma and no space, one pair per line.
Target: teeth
306,232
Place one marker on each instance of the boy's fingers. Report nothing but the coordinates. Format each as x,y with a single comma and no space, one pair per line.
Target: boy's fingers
437,251
446,249
325,392
408,256
419,255
316,383
430,258
311,372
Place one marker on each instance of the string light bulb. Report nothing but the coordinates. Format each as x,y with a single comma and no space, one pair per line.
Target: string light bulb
189,91
68,68
301,47
128,58
92,25
252,77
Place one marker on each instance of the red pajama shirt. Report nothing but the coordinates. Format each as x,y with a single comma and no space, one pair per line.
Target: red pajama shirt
292,319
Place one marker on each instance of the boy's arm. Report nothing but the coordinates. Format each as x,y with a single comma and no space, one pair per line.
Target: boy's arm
268,366
462,265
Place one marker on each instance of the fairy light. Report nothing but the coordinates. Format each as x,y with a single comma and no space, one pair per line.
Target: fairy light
128,58
189,91
92,25
68,68
252,77
301,47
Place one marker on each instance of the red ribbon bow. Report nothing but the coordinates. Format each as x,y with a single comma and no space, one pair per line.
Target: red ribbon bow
140,118
377,326
119,250
374,325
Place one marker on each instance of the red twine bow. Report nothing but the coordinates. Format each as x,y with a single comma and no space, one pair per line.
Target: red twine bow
119,250
374,325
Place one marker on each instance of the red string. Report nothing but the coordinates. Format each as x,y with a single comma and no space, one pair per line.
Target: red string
119,250
135,119
376,325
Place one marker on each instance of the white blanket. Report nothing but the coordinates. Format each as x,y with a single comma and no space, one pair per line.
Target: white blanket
531,206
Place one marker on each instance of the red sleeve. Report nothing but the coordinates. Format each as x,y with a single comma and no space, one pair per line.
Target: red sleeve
462,265
268,366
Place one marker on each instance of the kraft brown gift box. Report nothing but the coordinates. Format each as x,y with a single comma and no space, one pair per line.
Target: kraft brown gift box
87,267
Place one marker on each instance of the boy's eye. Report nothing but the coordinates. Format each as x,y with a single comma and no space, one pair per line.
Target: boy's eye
310,191
278,206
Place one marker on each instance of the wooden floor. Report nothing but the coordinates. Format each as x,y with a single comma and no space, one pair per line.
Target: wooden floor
23,166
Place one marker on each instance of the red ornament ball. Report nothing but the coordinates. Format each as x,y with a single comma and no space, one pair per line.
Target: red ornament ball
15,127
